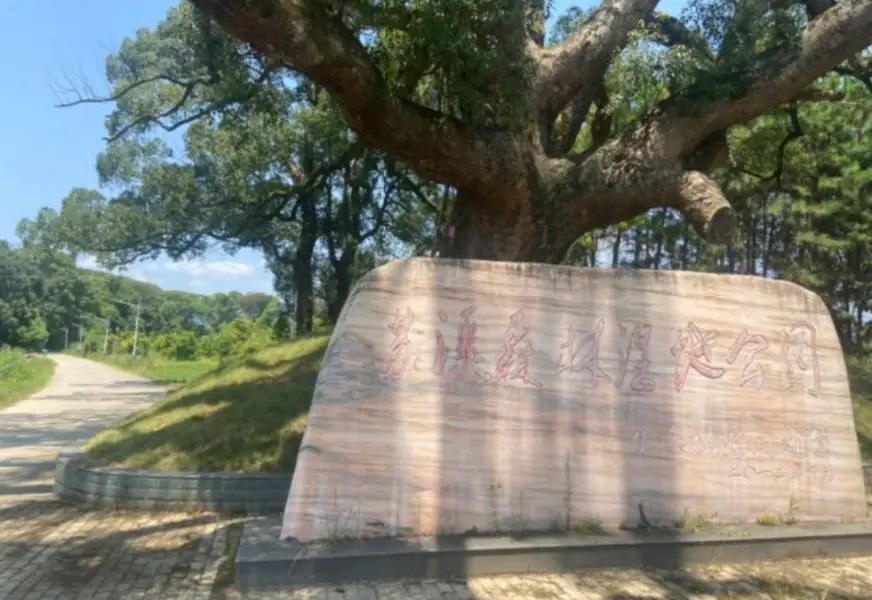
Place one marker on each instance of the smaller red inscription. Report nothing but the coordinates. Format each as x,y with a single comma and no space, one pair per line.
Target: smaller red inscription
401,348
514,364
571,358
799,353
640,338
753,372
691,351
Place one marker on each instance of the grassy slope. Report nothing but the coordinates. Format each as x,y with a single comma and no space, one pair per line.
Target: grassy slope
861,388
20,377
158,369
249,415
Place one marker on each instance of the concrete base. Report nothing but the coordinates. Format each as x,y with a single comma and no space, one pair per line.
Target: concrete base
263,561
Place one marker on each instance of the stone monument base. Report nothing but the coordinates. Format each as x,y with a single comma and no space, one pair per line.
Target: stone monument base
263,561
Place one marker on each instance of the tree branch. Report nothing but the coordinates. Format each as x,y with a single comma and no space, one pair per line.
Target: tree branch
188,89
831,38
674,33
584,58
577,114
701,201
308,38
795,132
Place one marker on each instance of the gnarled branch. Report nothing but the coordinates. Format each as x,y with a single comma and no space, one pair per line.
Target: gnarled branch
830,39
306,37
584,58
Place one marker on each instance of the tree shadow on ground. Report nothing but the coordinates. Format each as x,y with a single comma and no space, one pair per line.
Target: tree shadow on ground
48,548
238,422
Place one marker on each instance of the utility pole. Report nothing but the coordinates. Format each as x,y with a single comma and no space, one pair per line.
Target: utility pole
81,341
106,337
136,328
138,307
66,337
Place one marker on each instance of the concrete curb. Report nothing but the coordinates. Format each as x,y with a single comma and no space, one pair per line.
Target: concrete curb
79,480
265,562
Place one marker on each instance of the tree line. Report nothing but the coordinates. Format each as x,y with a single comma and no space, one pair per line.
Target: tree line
48,303
728,140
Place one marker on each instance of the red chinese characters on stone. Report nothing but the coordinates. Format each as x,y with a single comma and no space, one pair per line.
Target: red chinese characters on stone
574,358
466,356
753,372
692,351
401,348
514,364
640,338
798,354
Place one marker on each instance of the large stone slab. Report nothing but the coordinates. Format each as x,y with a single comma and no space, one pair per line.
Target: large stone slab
472,397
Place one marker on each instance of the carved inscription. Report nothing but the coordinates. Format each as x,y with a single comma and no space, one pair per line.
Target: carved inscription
579,353
692,350
753,372
401,348
514,364
636,352
799,355
797,453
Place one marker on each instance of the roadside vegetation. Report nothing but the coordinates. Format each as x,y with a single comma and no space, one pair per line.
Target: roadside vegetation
22,375
860,372
158,368
247,415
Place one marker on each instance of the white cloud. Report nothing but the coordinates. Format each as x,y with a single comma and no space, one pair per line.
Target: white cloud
198,268
88,262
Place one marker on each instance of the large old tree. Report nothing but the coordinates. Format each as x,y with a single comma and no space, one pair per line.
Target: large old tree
469,94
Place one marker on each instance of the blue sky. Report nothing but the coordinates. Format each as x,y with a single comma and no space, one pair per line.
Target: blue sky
46,151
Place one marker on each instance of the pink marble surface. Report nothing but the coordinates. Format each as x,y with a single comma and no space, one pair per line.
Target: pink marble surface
464,397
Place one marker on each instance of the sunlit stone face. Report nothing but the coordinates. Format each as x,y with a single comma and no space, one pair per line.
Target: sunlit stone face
460,397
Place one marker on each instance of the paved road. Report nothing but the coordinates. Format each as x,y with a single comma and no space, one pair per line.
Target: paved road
50,551
82,398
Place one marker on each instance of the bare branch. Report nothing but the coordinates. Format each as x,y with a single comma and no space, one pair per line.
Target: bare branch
585,57
380,213
795,132
90,98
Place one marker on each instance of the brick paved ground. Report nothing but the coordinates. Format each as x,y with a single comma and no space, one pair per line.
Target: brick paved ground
50,551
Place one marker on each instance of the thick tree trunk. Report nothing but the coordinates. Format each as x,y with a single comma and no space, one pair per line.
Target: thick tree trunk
305,290
523,196
304,283
342,275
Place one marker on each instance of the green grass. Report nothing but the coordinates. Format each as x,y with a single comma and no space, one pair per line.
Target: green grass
248,415
860,374
22,375
158,369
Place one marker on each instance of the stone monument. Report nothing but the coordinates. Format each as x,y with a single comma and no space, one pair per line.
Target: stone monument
481,397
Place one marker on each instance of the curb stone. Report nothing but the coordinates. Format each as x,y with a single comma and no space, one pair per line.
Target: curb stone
80,480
